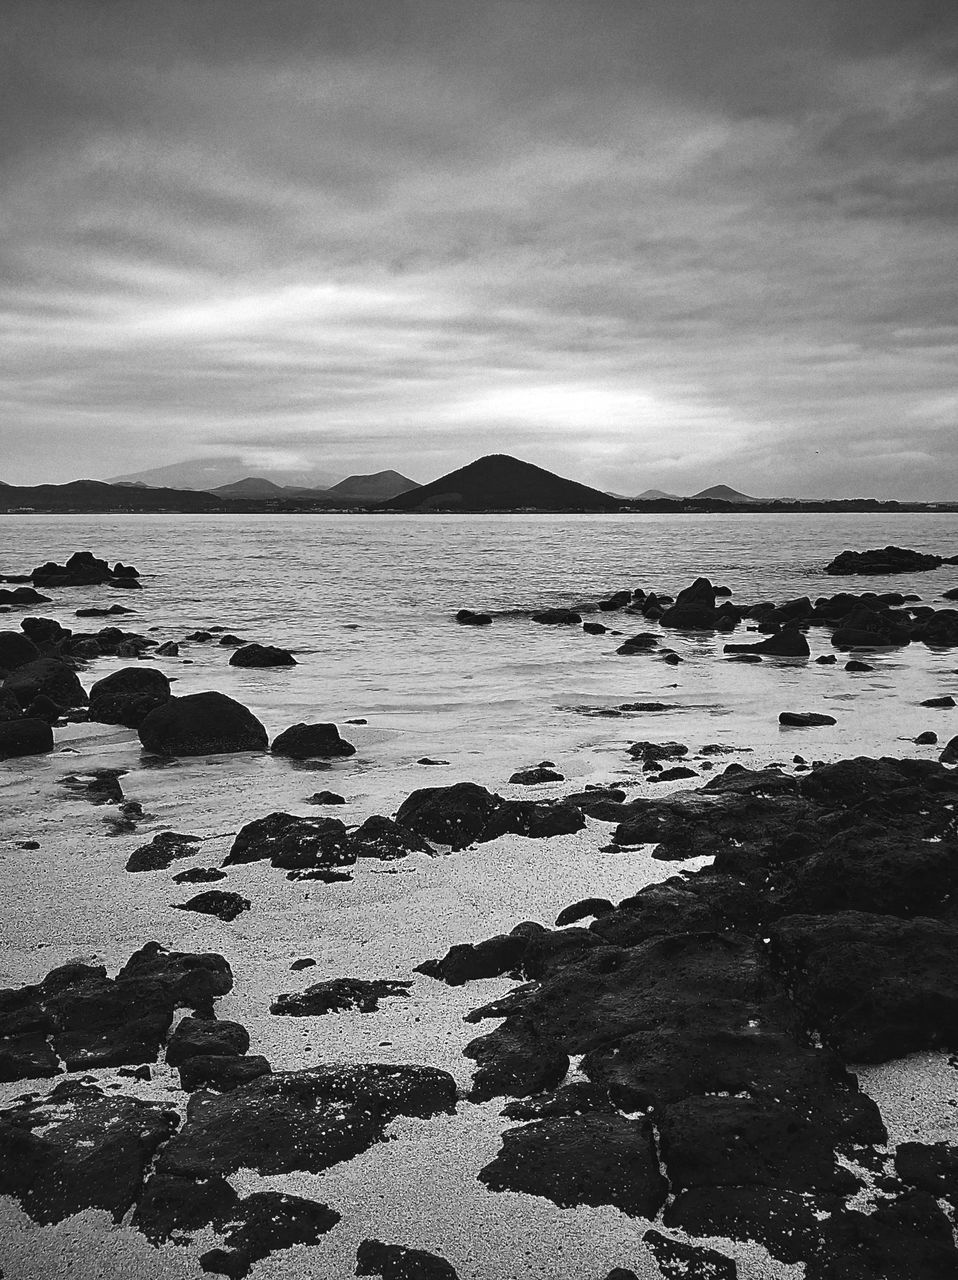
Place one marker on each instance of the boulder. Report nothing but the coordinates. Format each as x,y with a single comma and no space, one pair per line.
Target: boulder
221,903
534,776
262,655
25,737
466,618
220,1072
128,696
381,838
293,843
557,617
882,560
787,643
805,719
264,1223
950,753
48,677
206,1037
16,650
311,741
202,724
455,815
163,850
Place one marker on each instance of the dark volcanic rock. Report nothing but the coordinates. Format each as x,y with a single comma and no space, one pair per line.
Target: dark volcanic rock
25,737
202,724
805,719
590,1159
162,851
467,961
950,753
264,1223
883,560
206,1037
302,1120
787,643
454,815
184,978
946,701
310,741
262,655
221,903
532,777
466,618
396,1262
326,797
515,1063
558,617
293,843
127,696
47,677
785,1222
582,910
874,986
221,1072
905,1239
199,875
680,1261
78,1149
381,838
931,1167
337,994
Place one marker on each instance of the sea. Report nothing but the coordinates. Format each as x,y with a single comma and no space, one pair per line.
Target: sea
367,603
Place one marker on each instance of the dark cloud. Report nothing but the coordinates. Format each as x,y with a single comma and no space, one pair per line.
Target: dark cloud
646,243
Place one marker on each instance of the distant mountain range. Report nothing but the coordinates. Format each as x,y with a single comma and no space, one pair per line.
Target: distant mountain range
213,473
493,483
354,489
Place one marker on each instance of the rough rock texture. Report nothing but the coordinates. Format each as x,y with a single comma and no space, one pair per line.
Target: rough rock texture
28,736
305,1120
591,1159
384,839
680,1261
46,677
337,994
293,844
163,850
883,560
202,724
79,1148
221,903
465,813
208,1037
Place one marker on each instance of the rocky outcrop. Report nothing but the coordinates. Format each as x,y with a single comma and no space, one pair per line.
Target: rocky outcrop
883,560
48,678
260,655
27,736
317,846
202,724
396,1262
337,994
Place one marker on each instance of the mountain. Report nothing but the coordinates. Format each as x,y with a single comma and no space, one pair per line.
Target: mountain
656,495
377,487
722,493
252,487
97,495
500,483
211,473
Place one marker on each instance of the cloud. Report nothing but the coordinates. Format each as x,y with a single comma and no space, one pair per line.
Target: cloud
678,245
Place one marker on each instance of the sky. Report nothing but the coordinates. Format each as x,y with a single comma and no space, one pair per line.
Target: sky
643,243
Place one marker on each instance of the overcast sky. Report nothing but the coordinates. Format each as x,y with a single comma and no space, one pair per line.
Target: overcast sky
644,243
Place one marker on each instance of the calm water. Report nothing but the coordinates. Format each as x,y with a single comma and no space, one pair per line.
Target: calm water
367,603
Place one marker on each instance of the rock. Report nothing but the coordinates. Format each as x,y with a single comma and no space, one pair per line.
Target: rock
594,628
590,1159
782,1221
162,851
326,797
48,677
79,1148
883,560
581,910
206,1037
127,696
950,753
169,649
680,1261
855,665
25,737
931,1167
826,660
875,987
99,786
184,978
262,655
905,1239
16,650
658,750
94,612
674,774
292,843
946,701
721,1141
386,840
221,903
455,815
202,724
468,961
787,643
337,994
515,1064
309,741
557,617
533,777
302,1120
396,1262
641,643
927,739
220,1072
805,719
264,1223
466,618
307,962
199,875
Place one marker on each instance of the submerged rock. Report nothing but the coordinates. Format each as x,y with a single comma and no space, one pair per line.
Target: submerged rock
262,655
466,618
